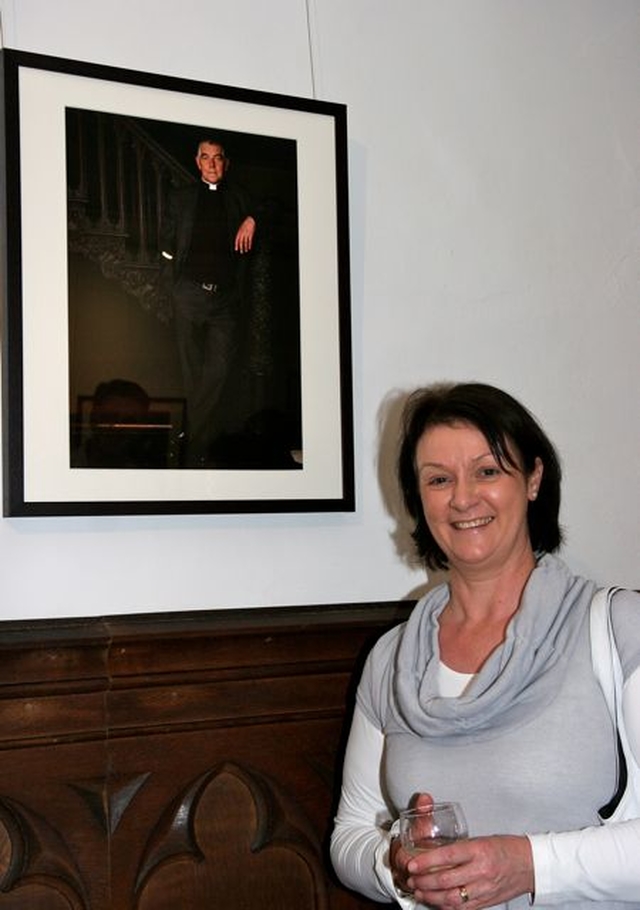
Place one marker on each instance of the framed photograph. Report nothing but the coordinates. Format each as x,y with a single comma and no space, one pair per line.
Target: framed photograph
176,330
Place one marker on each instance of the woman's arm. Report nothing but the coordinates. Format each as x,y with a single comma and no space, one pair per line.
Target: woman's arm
360,839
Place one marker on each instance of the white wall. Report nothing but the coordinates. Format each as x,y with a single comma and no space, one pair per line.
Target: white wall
495,219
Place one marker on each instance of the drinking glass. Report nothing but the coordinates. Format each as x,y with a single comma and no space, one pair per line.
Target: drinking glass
431,826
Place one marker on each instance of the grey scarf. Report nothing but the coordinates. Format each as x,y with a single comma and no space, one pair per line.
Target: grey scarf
517,681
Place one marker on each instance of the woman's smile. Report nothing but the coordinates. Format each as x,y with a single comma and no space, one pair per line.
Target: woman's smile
472,523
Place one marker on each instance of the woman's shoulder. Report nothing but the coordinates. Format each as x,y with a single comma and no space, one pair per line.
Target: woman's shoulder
625,620
382,654
625,608
376,683
374,686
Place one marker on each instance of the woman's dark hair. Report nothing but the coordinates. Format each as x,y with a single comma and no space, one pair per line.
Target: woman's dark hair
515,439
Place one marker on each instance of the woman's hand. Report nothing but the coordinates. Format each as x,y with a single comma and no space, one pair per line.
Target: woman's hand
472,872
398,857
398,860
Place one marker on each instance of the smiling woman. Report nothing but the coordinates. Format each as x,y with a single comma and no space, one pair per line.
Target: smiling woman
476,508
510,442
487,695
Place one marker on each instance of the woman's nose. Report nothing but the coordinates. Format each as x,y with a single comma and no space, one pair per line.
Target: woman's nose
463,494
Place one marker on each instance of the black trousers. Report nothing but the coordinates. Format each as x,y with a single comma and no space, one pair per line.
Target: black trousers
206,325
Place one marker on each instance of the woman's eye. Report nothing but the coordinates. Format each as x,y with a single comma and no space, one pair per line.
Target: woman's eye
436,481
490,471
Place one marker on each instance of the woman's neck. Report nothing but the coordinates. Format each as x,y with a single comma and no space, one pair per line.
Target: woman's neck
474,622
479,596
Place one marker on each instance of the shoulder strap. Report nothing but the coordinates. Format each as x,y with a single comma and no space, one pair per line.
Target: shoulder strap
604,654
608,671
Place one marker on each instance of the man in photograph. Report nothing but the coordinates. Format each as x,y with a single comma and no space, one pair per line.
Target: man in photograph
206,240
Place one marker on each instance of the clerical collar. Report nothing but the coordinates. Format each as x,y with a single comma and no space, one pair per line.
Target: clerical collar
211,186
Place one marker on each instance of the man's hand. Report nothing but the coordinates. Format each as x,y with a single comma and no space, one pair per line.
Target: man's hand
244,235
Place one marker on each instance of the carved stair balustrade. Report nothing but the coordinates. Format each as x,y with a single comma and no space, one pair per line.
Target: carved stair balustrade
119,178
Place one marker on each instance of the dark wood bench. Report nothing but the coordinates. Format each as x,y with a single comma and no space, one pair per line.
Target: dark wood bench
182,761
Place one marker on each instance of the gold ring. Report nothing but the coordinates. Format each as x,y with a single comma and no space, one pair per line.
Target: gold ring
464,894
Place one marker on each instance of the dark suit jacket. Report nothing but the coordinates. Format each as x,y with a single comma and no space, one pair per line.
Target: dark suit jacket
177,227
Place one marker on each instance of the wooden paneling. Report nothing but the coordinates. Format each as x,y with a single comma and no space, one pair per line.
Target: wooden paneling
172,761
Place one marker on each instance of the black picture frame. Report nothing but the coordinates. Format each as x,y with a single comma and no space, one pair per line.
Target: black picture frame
85,304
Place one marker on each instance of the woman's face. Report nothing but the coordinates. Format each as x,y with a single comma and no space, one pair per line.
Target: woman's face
475,509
